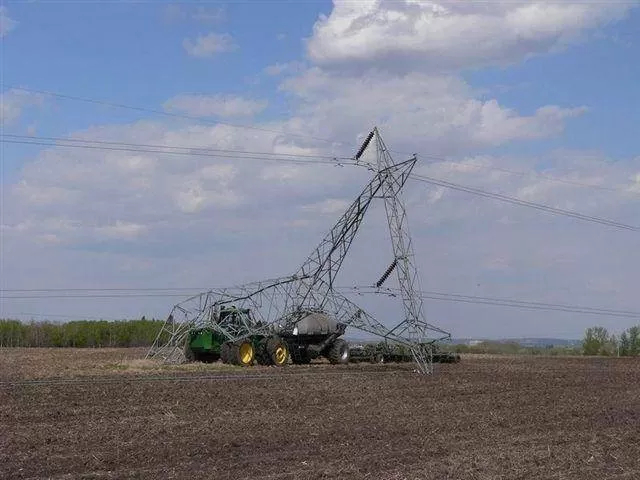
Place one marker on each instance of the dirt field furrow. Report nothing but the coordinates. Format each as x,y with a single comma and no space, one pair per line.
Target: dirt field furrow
484,418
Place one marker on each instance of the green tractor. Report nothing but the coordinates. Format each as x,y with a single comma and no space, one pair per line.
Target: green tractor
246,341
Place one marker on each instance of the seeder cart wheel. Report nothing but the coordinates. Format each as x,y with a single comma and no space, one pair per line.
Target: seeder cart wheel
278,351
339,352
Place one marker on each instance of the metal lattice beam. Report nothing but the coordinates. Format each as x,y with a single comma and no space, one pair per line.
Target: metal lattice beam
275,305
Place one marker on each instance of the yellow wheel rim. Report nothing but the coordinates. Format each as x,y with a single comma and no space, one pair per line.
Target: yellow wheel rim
246,353
280,355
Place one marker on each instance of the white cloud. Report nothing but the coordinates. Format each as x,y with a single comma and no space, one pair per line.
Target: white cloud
201,14
209,45
95,188
14,101
121,230
448,34
188,218
289,68
254,219
331,206
174,13
209,15
216,105
432,113
7,24
276,69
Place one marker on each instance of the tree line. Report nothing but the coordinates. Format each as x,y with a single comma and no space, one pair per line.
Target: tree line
515,348
598,341
143,332
79,334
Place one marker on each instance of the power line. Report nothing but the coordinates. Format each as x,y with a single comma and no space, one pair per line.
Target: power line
106,295
252,155
542,176
103,145
523,203
150,289
502,302
198,152
281,132
165,113
336,161
188,149
52,293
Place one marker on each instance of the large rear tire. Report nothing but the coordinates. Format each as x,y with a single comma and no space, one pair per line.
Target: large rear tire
300,356
338,353
262,355
243,353
272,351
278,351
226,353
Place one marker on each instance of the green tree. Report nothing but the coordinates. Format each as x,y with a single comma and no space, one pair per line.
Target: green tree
625,344
634,340
598,341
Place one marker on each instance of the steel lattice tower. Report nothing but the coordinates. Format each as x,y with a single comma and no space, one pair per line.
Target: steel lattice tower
276,304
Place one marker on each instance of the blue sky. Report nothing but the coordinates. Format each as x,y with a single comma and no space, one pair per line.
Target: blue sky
132,53
585,75
505,90
71,47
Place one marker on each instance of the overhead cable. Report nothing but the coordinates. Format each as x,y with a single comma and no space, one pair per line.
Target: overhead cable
523,203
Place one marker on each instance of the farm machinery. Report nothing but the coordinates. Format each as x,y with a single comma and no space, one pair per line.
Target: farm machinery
303,316
314,335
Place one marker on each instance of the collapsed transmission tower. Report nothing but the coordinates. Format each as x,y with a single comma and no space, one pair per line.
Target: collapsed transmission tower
278,305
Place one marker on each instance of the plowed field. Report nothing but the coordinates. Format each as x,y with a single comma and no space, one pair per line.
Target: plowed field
103,414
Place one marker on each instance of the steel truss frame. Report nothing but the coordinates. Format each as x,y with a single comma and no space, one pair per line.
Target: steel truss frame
276,305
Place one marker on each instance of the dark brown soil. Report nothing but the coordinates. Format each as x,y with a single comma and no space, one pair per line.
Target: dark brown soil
484,418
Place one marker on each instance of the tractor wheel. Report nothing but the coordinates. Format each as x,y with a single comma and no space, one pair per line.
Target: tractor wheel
243,353
278,351
226,353
338,352
300,356
262,356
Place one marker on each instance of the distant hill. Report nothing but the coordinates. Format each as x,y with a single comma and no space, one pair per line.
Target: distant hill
524,341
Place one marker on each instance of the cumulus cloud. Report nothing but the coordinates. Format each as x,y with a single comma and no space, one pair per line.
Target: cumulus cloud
186,212
196,216
209,45
216,105
283,68
97,189
209,15
7,24
14,101
121,230
176,12
449,35
423,112
331,206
